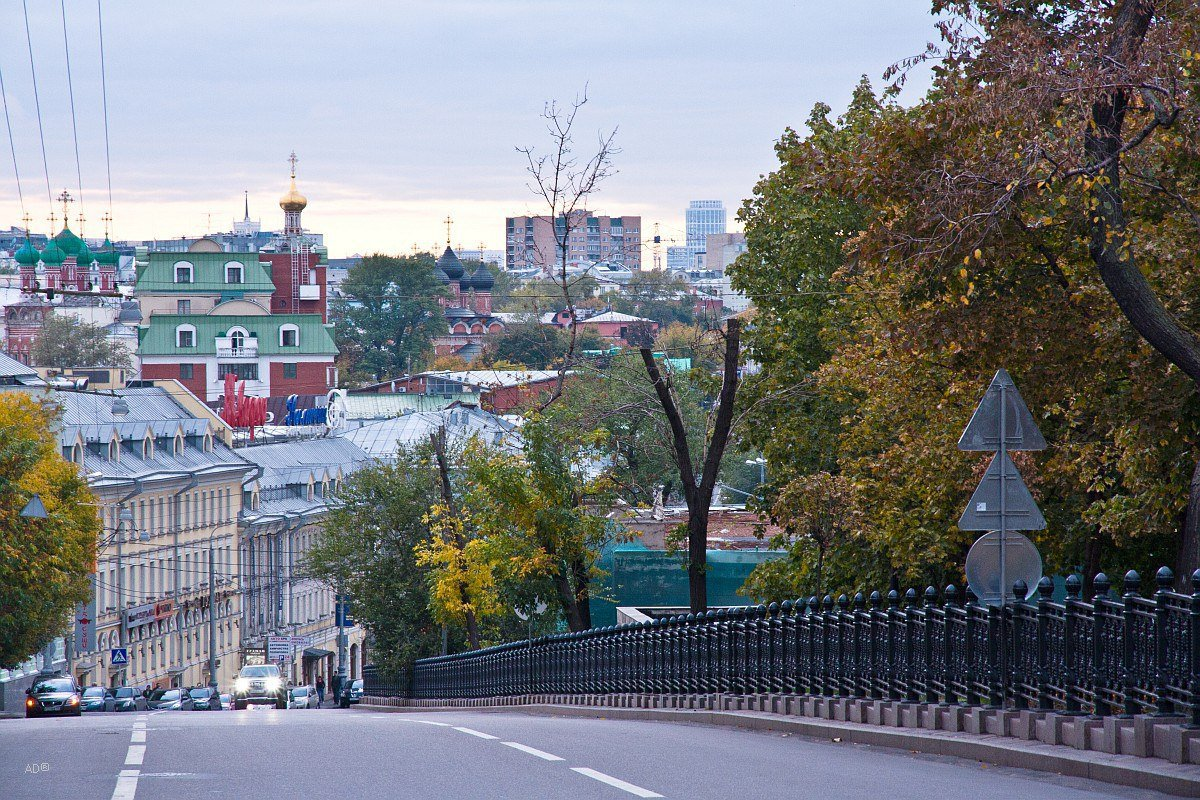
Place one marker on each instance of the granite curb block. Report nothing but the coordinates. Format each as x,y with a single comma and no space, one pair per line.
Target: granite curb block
1127,770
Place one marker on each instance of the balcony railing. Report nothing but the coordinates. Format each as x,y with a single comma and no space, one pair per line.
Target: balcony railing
245,347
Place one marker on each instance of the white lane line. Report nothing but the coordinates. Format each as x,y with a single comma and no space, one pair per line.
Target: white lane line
136,753
611,781
480,734
428,722
140,718
126,785
533,751
139,737
160,711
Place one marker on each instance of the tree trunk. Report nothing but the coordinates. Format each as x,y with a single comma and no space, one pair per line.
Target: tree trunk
582,581
438,440
1110,247
698,558
562,584
820,569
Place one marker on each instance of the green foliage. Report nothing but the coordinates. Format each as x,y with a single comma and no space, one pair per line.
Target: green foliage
44,563
64,341
367,550
656,295
385,325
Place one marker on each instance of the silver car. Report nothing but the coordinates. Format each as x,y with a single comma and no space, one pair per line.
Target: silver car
302,697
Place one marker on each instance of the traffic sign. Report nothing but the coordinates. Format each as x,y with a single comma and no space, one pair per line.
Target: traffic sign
118,656
983,431
279,647
1021,562
1020,512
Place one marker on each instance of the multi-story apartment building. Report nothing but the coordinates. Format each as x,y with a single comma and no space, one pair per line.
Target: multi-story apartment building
701,219
167,567
208,313
538,241
285,504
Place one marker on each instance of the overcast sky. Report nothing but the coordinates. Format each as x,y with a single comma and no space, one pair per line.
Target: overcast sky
402,113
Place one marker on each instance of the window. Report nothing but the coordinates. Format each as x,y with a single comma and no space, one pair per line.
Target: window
289,336
289,371
147,449
114,450
237,340
186,372
242,372
183,272
234,273
183,306
185,336
179,437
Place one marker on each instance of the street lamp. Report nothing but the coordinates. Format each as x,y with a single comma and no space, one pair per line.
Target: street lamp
762,468
124,522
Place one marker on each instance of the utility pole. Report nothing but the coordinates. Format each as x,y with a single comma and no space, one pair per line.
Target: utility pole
340,611
121,589
212,615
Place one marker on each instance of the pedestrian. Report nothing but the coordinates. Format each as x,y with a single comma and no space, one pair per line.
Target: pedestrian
320,690
336,686
146,691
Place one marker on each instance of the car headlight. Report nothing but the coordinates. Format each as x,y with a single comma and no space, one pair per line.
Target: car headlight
242,685
29,701
274,684
73,700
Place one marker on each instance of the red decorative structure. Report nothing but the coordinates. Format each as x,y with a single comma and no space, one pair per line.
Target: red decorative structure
241,411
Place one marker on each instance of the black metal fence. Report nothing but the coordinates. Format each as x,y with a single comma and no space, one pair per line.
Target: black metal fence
1110,655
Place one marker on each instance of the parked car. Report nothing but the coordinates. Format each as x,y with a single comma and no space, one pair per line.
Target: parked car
169,700
351,693
205,698
53,695
226,701
259,683
126,698
97,698
303,697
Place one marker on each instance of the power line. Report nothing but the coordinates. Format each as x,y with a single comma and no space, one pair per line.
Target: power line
38,105
74,123
13,149
104,96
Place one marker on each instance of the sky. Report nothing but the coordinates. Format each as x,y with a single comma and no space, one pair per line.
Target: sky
404,113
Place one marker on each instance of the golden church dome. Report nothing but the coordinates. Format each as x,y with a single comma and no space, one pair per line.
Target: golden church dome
293,200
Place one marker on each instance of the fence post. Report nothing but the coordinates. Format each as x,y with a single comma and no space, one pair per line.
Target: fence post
895,668
1100,586
1070,644
970,678
949,696
1128,678
787,636
1194,651
1162,701
910,655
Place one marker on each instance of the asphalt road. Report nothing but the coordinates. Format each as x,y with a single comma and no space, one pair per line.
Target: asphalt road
263,752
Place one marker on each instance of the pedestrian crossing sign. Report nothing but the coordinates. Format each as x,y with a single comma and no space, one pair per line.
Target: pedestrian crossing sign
119,655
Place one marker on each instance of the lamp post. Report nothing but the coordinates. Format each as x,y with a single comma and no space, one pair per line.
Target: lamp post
124,522
762,468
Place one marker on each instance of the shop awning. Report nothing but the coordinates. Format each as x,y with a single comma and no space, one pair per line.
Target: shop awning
316,652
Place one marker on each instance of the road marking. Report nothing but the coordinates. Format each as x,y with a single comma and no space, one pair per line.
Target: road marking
611,781
533,751
126,785
429,722
160,711
138,737
136,753
480,734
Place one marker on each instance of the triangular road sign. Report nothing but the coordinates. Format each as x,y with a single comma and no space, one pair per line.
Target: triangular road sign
1020,512
983,431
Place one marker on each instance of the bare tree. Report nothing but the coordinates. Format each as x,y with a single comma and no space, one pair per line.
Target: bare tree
565,181
698,493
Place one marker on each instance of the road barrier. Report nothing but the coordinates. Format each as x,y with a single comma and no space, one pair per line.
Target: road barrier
1110,656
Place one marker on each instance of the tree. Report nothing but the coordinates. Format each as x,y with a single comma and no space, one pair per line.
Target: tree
539,511
657,295
528,342
389,315
565,184
698,490
367,550
44,563
65,341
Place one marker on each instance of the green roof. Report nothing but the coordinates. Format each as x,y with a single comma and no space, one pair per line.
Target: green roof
208,274
158,339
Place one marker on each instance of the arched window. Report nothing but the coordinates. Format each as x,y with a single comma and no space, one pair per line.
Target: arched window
237,339
178,449
114,449
77,453
183,272
185,336
148,449
208,443
289,336
235,272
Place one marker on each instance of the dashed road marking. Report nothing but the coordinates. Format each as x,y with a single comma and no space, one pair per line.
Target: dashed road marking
127,782
533,751
138,737
616,782
431,722
474,732
136,753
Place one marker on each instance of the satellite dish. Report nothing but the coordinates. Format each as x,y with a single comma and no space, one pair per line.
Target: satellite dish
1022,562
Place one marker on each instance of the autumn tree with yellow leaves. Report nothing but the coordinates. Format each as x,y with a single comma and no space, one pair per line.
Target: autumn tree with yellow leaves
44,563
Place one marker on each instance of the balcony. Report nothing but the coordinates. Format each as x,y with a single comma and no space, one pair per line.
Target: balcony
310,291
237,347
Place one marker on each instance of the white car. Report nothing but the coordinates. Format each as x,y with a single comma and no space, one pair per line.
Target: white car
302,697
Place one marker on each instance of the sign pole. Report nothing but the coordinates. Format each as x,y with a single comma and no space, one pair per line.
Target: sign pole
1003,536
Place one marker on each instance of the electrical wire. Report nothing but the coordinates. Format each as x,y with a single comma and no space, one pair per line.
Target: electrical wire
37,103
104,97
74,123
12,148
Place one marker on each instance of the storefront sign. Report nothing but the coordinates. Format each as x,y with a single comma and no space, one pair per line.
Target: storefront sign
151,612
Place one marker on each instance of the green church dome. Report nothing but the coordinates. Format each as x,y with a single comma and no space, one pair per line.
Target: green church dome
53,255
71,244
26,255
